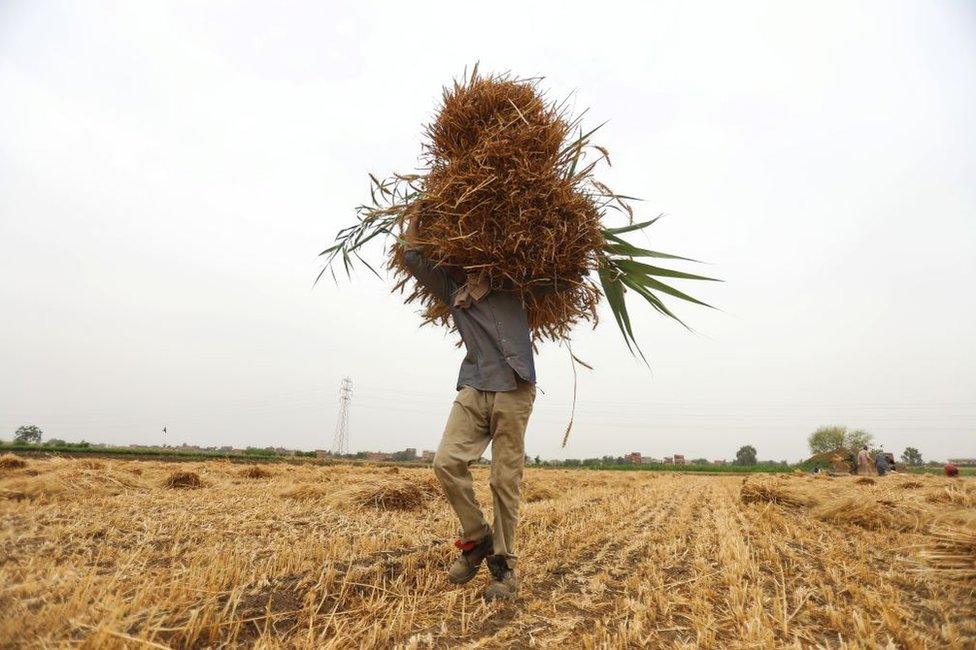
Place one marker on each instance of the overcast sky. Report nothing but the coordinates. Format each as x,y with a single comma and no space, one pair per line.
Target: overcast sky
169,172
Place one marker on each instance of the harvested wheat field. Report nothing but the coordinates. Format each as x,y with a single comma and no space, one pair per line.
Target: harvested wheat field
148,554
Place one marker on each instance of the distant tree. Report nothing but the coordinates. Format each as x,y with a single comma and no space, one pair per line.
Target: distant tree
28,433
829,438
55,442
538,461
746,455
857,438
699,461
826,439
912,456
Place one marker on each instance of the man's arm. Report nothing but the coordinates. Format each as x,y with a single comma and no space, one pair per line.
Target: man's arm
437,280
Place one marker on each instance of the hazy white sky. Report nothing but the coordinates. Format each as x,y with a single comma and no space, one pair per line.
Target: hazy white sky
169,171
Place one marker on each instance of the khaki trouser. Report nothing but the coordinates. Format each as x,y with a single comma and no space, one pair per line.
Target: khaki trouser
477,418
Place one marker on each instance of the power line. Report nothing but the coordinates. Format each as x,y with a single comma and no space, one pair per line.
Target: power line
341,444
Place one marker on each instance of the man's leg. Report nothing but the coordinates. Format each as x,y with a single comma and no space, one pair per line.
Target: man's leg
464,441
509,417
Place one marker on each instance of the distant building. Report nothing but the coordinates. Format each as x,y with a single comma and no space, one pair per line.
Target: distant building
321,453
679,459
720,462
669,460
633,457
962,462
377,455
650,460
427,455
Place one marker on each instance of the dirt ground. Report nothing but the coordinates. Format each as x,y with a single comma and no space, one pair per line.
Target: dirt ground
111,553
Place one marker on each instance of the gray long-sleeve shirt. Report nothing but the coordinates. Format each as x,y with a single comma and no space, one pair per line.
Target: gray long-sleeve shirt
495,330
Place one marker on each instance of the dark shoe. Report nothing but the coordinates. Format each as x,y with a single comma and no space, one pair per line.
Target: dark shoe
468,563
503,583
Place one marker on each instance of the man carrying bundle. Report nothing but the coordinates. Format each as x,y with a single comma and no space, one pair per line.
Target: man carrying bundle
496,391
505,190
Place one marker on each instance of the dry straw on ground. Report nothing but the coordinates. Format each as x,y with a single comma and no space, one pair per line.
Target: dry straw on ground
305,492
954,493
533,491
255,471
393,494
952,552
183,480
871,513
611,560
770,493
10,461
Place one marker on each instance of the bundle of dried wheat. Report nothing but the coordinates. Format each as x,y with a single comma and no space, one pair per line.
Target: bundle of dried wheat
506,191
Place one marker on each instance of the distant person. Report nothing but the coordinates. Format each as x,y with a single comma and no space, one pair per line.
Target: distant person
865,464
951,469
881,463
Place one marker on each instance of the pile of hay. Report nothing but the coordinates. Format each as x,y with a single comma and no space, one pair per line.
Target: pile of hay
532,491
955,495
910,485
865,480
952,552
390,495
255,471
871,514
305,492
183,481
837,461
10,461
430,486
772,493
499,198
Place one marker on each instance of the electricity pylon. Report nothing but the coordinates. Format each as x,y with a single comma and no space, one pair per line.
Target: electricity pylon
341,444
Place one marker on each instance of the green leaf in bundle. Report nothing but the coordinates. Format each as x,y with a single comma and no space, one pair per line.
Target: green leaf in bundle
617,246
630,227
368,265
633,266
651,283
613,289
649,296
